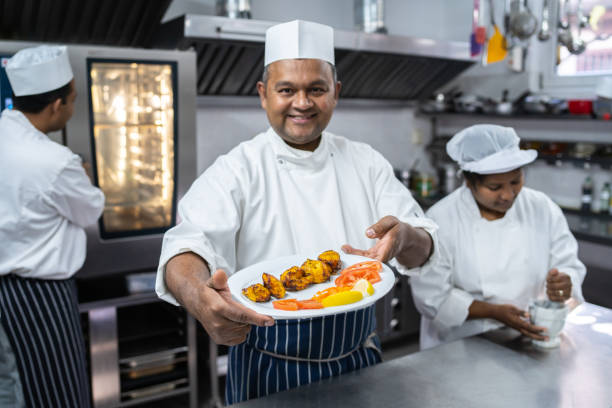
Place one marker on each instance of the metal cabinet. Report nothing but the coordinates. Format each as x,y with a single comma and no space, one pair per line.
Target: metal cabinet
396,315
140,350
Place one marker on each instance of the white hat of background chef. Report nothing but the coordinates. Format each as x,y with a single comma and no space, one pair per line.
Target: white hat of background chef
299,39
488,149
38,70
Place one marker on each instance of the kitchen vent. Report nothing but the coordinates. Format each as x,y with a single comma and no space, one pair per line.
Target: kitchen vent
128,23
230,54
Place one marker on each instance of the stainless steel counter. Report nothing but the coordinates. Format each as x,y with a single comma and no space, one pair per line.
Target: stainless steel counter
494,370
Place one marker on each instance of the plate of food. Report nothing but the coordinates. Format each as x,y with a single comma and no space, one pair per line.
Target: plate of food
311,285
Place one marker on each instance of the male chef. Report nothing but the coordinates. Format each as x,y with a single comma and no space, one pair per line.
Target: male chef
47,199
293,189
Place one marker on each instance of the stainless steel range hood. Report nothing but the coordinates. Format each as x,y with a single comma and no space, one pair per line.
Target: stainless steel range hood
230,55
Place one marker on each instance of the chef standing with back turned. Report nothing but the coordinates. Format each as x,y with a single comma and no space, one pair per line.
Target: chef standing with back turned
294,189
47,199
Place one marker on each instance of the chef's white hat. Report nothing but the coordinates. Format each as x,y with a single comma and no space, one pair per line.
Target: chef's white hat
299,39
488,149
37,70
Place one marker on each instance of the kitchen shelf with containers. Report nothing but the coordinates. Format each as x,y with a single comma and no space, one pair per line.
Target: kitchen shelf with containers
580,154
527,105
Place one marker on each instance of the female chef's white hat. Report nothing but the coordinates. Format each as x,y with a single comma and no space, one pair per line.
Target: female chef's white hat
299,39
488,149
37,70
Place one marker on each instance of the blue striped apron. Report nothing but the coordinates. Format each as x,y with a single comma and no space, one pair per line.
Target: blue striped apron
41,320
298,352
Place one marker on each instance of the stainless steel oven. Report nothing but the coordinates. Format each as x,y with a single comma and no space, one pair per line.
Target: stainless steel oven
134,123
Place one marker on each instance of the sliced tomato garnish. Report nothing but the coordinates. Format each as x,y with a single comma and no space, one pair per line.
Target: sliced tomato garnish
322,294
286,304
363,266
309,304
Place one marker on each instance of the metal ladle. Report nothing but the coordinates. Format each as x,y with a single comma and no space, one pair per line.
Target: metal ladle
544,33
565,36
523,24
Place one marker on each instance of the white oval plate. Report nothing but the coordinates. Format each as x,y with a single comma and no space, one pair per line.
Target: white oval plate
252,274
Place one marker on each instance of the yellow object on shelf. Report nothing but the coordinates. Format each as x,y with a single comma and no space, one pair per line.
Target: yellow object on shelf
496,48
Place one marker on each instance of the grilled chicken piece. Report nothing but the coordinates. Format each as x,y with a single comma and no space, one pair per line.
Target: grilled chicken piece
275,286
293,279
316,271
257,293
332,258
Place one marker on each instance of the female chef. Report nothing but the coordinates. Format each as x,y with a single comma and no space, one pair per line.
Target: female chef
501,245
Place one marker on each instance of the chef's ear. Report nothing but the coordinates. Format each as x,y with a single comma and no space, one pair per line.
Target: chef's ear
55,105
338,88
261,89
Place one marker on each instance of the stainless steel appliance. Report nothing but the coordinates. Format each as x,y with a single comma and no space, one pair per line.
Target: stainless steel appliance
137,129
134,122
370,65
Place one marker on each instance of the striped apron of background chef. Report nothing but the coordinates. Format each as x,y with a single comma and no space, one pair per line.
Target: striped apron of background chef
297,352
41,320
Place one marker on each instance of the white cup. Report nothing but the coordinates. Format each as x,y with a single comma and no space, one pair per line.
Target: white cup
550,315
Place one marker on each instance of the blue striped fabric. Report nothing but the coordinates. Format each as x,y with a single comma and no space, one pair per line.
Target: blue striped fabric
42,323
253,373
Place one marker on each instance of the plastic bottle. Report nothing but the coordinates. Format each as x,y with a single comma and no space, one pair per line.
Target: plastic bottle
587,194
604,198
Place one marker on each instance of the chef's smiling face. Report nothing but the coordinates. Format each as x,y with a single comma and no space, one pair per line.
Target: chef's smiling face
299,98
496,192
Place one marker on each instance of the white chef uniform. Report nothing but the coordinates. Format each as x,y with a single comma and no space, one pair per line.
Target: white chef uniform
265,200
47,200
504,261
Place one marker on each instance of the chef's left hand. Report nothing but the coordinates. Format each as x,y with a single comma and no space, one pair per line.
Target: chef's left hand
558,286
411,246
387,229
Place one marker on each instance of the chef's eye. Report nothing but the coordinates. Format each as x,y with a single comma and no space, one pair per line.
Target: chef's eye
317,91
493,188
285,90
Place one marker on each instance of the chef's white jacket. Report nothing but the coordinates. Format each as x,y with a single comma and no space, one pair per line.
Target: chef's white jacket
46,200
265,199
504,261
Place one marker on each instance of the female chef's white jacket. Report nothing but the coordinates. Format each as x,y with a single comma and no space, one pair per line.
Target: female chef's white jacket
504,261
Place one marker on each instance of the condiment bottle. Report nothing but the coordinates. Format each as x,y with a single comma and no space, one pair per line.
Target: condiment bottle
587,194
604,198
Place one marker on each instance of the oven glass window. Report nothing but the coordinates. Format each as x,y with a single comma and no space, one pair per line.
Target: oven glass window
133,109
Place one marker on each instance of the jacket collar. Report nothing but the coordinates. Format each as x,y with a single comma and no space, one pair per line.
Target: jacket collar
18,120
296,157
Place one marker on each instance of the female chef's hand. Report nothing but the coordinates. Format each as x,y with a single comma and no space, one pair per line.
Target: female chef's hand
411,246
516,318
558,286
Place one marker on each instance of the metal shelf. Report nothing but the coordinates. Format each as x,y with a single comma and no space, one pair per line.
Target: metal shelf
570,128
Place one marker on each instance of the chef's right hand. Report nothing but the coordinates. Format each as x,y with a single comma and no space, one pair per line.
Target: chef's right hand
225,320
516,318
